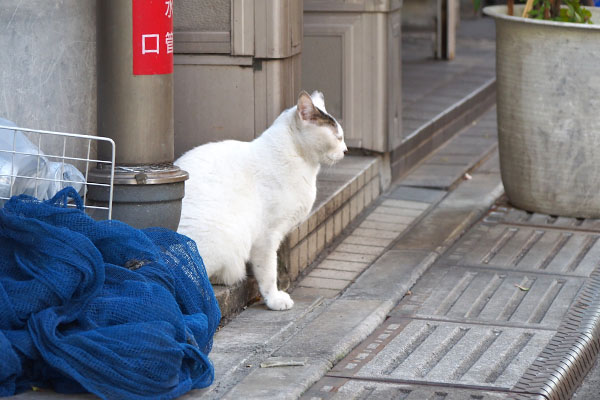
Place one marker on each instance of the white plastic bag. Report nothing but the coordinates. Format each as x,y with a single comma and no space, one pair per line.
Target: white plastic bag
31,165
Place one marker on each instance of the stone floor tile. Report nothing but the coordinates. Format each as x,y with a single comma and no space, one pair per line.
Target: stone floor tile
359,249
383,226
333,274
361,258
417,205
343,265
366,241
420,195
389,218
323,283
407,212
374,233
309,292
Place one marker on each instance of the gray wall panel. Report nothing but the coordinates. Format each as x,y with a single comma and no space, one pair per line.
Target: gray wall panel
202,15
48,67
48,71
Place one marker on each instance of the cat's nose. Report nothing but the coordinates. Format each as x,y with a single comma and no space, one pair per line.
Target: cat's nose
345,149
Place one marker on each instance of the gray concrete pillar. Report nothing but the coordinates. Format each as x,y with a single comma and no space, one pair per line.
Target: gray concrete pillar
135,109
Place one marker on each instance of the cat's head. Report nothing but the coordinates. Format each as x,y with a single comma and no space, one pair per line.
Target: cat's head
322,133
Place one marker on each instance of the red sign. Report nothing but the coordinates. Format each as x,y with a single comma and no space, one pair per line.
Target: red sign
152,37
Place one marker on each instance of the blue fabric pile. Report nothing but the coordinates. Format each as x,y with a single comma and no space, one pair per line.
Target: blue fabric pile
99,306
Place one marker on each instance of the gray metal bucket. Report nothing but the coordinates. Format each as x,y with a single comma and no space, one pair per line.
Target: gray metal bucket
548,95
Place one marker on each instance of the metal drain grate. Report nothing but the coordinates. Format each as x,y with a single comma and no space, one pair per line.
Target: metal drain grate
512,310
561,366
503,212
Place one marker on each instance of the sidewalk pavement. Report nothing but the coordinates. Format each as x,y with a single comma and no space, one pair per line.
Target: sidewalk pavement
355,287
439,289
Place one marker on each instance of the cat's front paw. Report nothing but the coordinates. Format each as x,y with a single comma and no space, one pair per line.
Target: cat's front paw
279,301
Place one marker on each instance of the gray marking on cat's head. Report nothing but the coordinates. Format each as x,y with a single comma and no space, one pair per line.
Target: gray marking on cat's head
321,118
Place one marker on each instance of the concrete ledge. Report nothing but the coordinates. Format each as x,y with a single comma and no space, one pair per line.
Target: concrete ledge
442,127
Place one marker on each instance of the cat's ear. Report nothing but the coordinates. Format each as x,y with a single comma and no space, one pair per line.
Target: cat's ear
306,108
318,99
318,95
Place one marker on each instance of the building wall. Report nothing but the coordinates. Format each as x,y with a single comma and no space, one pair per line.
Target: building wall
48,64
202,15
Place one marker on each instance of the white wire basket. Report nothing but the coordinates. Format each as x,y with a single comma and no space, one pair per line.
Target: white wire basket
60,160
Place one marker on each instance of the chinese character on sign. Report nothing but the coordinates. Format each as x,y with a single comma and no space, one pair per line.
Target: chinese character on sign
153,39
169,11
169,42
150,44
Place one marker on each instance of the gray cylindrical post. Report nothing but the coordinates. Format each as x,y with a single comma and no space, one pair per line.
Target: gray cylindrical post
135,109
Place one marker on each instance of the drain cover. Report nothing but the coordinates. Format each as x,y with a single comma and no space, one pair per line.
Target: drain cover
528,249
496,297
503,212
344,389
511,310
447,353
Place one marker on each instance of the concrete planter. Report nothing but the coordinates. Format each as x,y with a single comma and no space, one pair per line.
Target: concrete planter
548,95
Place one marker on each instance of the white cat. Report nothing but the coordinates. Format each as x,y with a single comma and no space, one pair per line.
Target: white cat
242,198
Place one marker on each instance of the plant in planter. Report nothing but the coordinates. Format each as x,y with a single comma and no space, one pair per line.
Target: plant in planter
553,10
548,105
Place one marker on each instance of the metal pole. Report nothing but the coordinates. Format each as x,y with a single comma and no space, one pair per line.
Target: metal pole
136,111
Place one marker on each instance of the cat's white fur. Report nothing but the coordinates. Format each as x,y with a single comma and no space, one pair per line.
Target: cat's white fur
242,198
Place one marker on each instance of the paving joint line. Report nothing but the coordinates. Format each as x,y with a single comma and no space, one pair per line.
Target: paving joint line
428,383
465,321
544,227
507,270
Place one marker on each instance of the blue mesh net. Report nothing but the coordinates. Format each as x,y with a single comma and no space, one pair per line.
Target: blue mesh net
100,306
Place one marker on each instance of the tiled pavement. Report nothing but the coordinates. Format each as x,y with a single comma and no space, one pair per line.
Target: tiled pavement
510,310
440,97
348,293
393,213
358,250
448,164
